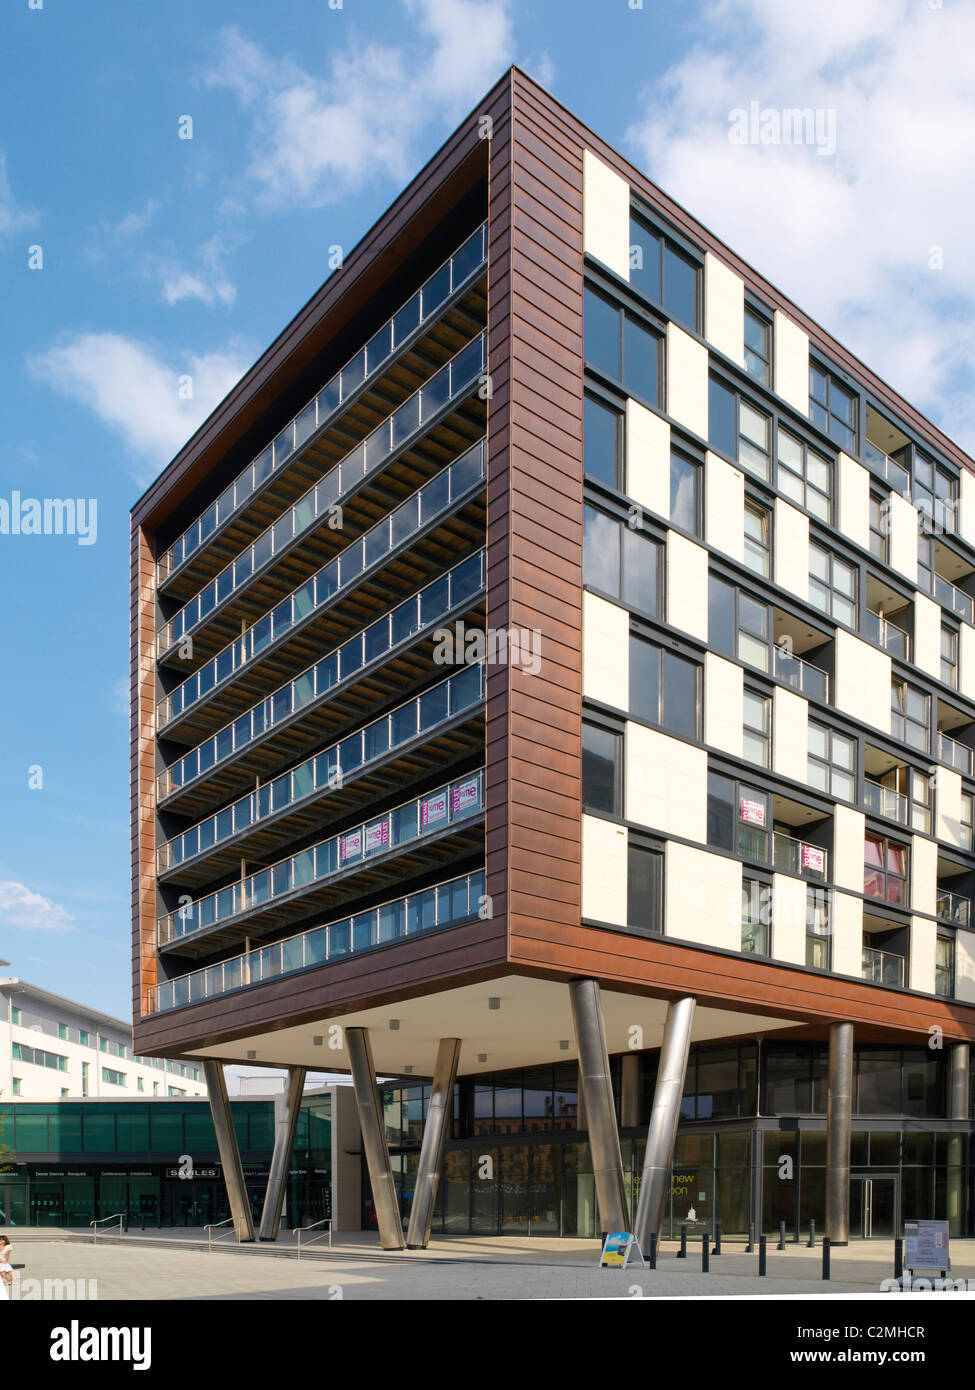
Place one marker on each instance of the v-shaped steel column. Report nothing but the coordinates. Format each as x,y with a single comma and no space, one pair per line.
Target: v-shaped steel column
374,1139
285,1128
440,1112
233,1169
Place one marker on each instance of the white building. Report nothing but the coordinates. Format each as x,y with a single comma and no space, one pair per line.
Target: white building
53,1048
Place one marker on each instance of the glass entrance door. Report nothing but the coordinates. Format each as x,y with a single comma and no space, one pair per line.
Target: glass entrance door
874,1206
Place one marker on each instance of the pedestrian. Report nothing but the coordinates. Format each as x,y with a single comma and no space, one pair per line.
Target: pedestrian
6,1273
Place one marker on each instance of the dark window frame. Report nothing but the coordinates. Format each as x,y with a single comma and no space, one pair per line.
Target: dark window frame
684,251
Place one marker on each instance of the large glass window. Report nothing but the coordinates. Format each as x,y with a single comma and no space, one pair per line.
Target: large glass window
664,688
738,625
756,737
756,899
832,762
935,494
738,430
621,562
885,870
664,273
817,929
832,407
685,493
803,475
601,758
644,888
602,442
758,547
910,721
621,346
833,585
739,817
758,346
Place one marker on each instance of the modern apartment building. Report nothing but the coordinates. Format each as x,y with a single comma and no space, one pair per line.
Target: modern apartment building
553,675
55,1049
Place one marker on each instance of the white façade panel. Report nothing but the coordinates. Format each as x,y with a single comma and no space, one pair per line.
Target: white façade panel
724,501
603,871
723,704
605,652
947,800
903,536
791,545
789,919
790,734
647,459
924,935
966,661
687,380
862,682
924,874
849,827
724,309
846,930
853,494
791,358
687,585
926,652
965,523
605,215
965,966
703,897
666,783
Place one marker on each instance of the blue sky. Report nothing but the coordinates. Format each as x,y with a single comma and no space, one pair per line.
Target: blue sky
161,257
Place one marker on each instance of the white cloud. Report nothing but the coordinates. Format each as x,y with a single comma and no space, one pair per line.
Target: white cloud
134,392
316,138
12,217
848,236
207,283
20,907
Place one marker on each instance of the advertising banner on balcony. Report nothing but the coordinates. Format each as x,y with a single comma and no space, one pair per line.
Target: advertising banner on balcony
812,858
463,797
350,846
433,809
753,812
377,835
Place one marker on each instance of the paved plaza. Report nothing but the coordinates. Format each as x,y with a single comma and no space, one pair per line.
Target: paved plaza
175,1264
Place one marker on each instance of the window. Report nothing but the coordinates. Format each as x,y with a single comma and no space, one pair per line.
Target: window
685,493
602,442
833,585
155,1088
113,1078
925,563
16,1086
664,688
935,494
920,801
621,562
757,727
758,346
37,1057
84,1039
601,753
738,818
967,821
817,929
62,1031
140,1083
662,272
14,1014
879,529
756,913
910,721
944,966
737,430
949,655
64,1092
832,762
832,407
644,888
621,346
885,870
103,1044
738,625
803,475
758,547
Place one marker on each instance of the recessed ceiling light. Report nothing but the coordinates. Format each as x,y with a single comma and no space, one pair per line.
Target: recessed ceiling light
494,1003
317,1040
393,1025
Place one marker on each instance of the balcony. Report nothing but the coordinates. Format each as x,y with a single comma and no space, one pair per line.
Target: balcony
893,639
395,335
800,675
792,856
883,801
954,755
954,908
952,598
882,967
883,466
445,905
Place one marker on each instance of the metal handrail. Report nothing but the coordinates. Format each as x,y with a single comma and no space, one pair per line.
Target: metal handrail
118,1216
214,1226
326,1221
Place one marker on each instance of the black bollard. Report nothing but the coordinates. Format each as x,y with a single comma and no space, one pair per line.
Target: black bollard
812,1234
705,1255
781,1244
683,1243
751,1238
762,1256
825,1257
653,1249
898,1259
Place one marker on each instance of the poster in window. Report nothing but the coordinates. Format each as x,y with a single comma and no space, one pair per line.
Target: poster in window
433,809
752,812
350,846
813,858
377,835
463,797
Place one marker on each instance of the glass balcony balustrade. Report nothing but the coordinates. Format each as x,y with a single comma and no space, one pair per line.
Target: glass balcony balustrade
421,611
801,675
952,598
883,801
798,857
452,382
390,340
365,555
328,770
954,754
887,468
893,639
333,858
444,905
952,907
882,967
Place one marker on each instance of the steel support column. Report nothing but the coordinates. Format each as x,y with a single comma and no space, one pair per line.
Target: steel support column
664,1116
440,1112
233,1169
597,1089
958,1109
839,1118
374,1139
286,1125
629,1090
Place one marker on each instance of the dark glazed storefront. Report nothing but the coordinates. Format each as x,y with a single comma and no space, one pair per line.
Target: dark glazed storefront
751,1146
